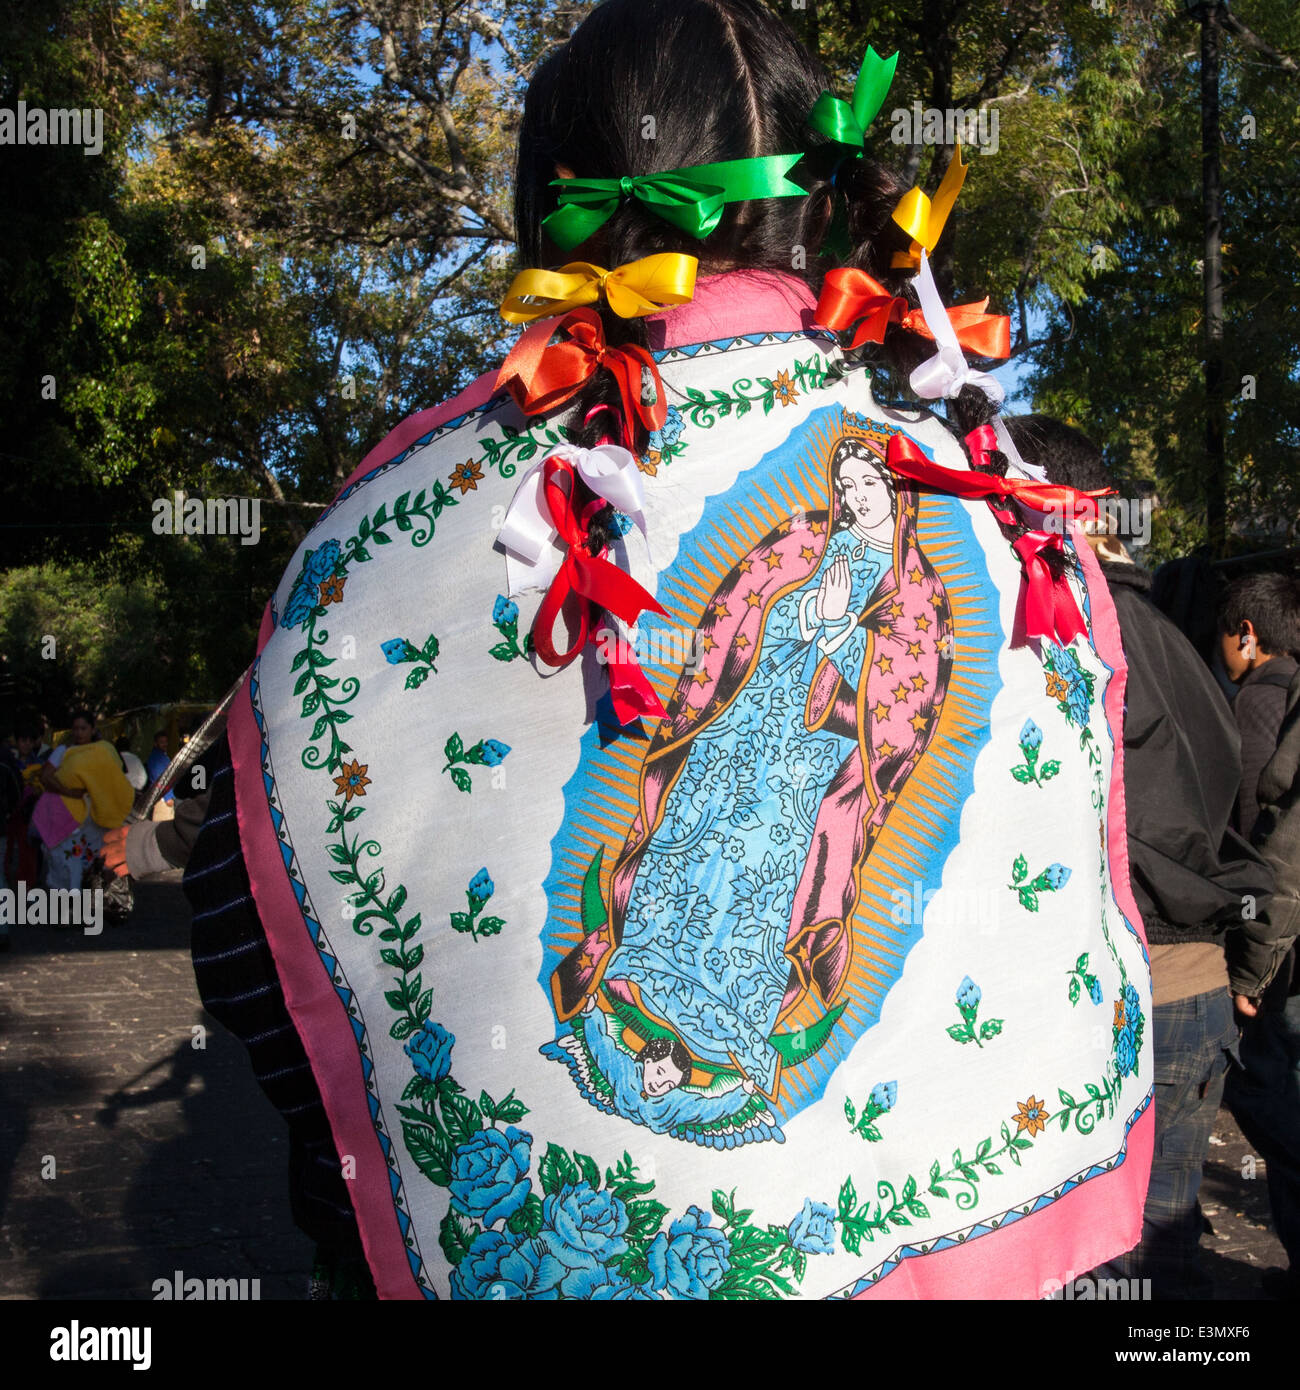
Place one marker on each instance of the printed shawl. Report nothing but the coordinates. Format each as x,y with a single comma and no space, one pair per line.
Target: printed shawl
830,984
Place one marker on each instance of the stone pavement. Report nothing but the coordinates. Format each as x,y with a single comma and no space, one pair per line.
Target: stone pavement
165,1156
168,1157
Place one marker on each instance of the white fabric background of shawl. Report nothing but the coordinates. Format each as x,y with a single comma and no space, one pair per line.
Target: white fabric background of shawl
434,839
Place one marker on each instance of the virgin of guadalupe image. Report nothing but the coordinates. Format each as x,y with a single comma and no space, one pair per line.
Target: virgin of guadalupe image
825,659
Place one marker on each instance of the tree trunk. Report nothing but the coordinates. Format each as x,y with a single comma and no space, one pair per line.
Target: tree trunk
1216,471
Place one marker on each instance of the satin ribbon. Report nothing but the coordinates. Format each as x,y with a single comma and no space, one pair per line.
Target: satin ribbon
946,373
1050,608
631,291
528,534
982,440
923,220
583,585
690,199
542,374
852,296
847,123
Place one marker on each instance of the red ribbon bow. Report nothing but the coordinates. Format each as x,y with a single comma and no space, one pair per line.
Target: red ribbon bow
852,296
541,374
1047,602
585,584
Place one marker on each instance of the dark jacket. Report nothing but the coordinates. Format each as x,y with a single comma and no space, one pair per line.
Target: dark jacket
1194,878
1259,709
1277,828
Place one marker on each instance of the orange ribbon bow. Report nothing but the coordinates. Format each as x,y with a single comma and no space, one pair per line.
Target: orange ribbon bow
1048,604
541,373
852,296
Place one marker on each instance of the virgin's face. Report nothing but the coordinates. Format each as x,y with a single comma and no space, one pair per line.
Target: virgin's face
866,494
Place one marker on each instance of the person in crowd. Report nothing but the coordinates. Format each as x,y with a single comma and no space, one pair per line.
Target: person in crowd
90,783
1259,633
1191,873
621,968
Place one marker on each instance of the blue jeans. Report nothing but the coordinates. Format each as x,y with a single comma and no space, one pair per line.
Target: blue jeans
1264,1096
1192,1040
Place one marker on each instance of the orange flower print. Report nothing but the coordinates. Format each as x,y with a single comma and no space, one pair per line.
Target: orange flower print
331,591
352,781
466,476
1119,1013
784,389
1057,687
650,464
1032,1116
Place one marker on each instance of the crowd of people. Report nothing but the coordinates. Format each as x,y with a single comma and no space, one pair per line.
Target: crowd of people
66,800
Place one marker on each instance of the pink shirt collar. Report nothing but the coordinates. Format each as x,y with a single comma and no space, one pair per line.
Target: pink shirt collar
737,302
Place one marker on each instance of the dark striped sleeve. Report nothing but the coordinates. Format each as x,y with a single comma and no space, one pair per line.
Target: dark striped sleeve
239,987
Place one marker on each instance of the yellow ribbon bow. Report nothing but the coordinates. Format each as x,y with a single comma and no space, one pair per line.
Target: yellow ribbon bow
922,220
631,291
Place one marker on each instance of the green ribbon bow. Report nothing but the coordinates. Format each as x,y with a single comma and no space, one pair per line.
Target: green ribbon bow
846,123
690,199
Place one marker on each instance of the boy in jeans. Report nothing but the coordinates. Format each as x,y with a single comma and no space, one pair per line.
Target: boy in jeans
1190,873
1260,628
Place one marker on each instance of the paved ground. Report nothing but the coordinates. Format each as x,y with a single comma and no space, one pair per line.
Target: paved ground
165,1156
168,1157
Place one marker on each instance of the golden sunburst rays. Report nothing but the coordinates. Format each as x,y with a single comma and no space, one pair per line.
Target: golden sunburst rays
918,820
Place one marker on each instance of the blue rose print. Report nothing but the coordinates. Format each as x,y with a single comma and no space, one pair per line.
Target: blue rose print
489,1174
1031,736
1056,876
584,1228
690,1260
1125,1052
481,886
969,993
1132,1004
884,1094
494,751
430,1051
500,1266
504,611
1077,700
298,606
1094,990
672,431
812,1232
605,1285
320,564
394,650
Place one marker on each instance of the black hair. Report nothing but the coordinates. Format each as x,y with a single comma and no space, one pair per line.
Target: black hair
672,1048
28,725
1271,602
841,517
722,79
1064,453
85,714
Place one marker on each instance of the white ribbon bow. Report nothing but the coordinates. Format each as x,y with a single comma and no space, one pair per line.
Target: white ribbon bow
944,374
528,536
